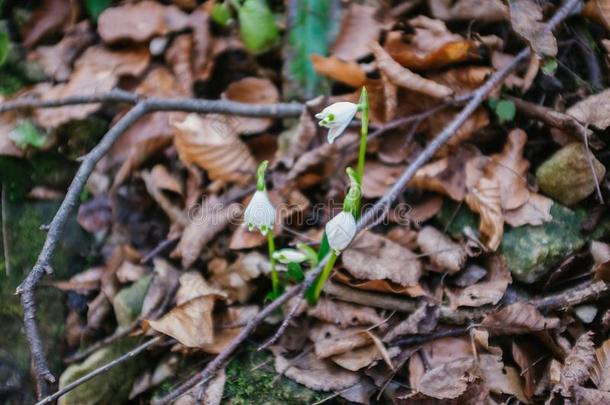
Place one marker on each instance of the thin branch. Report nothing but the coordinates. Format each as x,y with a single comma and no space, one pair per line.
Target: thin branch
31,102
584,292
280,331
122,332
101,370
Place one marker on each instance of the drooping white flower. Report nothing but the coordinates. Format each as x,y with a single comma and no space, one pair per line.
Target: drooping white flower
340,230
260,213
337,117
286,256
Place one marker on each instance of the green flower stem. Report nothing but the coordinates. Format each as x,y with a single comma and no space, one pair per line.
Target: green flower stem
324,275
364,133
275,282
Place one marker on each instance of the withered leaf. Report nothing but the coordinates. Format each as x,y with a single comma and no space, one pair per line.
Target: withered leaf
536,211
593,110
251,90
344,314
236,278
501,379
423,320
445,254
577,364
212,395
478,10
526,20
358,27
518,318
50,17
211,142
374,257
403,77
600,373
330,340
486,200
449,380
379,178
590,396
349,73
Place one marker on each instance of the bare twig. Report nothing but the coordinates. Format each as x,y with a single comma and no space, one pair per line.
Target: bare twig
78,356
584,292
5,241
31,102
101,370
280,331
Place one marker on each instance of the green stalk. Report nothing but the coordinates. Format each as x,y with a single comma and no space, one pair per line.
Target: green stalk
275,282
364,133
324,275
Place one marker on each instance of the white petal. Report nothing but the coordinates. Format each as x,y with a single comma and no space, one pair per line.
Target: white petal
335,132
341,230
289,255
260,212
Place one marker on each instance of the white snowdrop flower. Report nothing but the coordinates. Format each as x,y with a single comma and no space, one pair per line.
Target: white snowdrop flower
341,230
337,117
260,213
286,256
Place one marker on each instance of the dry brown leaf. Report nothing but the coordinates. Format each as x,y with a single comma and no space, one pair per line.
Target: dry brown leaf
446,175
357,359
203,226
165,281
438,352
374,257
598,11
445,254
228,326
358,27
329,340
344,314
509,169
533,367
403,77
139,22
476,392
190,322
251,90
593,110
82,282
164,180
536,211
49,18
315,373
516,319
489,291
527,20
349,73
501,379
423,320
486,200
294,142
469,10
432,46
600,373
576,366
56,60
590,396
97,71
236,278
449,380
211,142
379,178
212,395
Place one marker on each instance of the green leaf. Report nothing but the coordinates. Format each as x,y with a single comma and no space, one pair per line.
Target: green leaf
549,66
4,47
311,32
312,255
221,14
257,28
505,110
324,247
96,7
295,272
26,134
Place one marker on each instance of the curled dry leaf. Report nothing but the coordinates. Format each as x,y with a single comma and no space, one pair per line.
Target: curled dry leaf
516,319
344,314
489,291
97,71
379,285
228,325
374,257
211,142
590,396
526,19
251,90
315,373
593,110
190,322
485,199
349,72
203,225
448,380
357,359
576,366
330,340
468,10
536,211
432,46
598,11
403,77
358,27
379,178
423,320
236,278
445,254
83,282
165,281
50,17
294,142
154,19
600,373
499,378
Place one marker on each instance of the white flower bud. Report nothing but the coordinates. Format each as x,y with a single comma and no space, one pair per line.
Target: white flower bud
337,117
260,213
341,230
286,256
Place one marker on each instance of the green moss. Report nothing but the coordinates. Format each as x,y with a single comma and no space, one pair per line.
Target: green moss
252,380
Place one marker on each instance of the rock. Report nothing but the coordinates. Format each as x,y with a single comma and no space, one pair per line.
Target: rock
532,251
567,177
111,387
128,302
